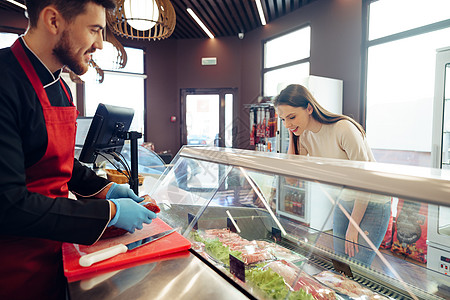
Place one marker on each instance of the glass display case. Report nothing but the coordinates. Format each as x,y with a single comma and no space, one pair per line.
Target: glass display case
244,214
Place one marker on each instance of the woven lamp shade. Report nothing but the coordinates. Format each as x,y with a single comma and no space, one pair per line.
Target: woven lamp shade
163,25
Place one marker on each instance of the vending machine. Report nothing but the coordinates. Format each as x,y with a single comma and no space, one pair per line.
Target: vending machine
438,234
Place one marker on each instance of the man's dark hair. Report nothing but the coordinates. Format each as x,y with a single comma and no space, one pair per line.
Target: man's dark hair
69,9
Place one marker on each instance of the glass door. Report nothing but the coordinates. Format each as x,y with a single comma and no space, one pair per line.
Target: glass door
208,120
202,115
208,117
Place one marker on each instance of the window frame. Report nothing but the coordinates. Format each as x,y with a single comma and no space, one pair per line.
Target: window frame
265,70
386,39
119,72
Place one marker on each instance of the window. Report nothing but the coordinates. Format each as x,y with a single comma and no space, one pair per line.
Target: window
7,39
403,36
123,87
389,17
286,60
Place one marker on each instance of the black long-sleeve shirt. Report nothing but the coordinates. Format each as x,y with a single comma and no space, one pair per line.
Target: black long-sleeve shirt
23,142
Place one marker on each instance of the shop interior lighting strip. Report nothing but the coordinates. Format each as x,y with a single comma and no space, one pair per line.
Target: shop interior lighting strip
261,12
17,4
200,23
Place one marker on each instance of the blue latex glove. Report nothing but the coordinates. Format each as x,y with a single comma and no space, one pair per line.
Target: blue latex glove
130,215
117,191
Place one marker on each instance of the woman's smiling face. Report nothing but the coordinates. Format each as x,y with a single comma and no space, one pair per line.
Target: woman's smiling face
295,119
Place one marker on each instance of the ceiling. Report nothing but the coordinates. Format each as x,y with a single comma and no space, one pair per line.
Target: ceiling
228,17
222,17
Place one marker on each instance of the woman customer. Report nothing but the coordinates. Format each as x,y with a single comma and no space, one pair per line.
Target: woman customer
314,131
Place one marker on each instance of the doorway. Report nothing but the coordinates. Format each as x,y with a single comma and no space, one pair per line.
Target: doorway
208,117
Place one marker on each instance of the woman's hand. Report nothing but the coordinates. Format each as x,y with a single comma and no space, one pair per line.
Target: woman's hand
351,241
351,236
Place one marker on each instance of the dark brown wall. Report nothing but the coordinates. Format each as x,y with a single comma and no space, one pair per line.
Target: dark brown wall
12,21
226,74
336,53
162,95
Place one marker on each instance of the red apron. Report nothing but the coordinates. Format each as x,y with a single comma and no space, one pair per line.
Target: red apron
33,267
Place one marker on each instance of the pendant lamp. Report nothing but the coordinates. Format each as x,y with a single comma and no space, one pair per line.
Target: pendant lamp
143,19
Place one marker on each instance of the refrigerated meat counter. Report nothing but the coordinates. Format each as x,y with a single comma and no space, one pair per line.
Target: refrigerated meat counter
251,241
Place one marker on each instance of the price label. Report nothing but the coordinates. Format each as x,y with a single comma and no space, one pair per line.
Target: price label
237,268
342,268
276,234
230,225
191,219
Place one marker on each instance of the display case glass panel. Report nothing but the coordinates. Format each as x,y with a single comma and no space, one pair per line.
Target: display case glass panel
444,221
284,227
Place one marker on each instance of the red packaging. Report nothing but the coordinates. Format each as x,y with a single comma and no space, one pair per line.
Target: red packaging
267,122
387,240
410,235
252,126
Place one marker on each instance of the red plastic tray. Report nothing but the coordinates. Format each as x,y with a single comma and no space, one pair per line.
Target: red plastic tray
170,244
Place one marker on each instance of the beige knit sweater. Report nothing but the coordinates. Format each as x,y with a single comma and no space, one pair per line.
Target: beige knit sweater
340,140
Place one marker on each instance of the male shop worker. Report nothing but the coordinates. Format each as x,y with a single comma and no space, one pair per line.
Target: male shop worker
37,166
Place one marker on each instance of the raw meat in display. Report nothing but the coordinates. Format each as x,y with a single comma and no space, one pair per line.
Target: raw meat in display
347,286
297,279
250,250
280,252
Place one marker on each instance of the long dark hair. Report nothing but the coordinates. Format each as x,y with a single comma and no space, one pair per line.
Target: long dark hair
296,95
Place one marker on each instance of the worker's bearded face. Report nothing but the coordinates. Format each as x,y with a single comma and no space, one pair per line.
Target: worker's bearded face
75,60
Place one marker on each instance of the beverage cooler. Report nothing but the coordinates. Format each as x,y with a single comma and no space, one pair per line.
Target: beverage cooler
267,132
439,216
263,126
295,199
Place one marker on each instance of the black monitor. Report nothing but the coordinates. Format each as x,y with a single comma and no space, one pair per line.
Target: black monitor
105,133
